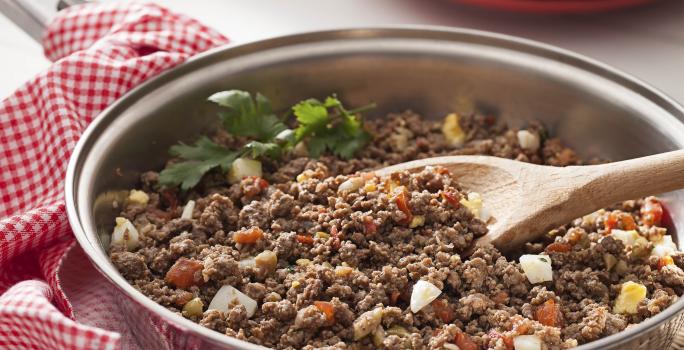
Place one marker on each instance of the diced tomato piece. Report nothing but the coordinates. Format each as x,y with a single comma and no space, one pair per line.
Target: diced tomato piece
451,198
394,297
305,239
183,298
367,175
260,182
169,198
622,221
664,261
548,314
336,242
651,212
611,221
442,170
185,273
369,226
464,342
159,213
401,198
508,342
257,181
326,308
628,222
248,236
558,247
252,186
521,328
574,236
500,297
443,310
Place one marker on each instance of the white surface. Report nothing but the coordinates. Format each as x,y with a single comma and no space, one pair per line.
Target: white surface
647,42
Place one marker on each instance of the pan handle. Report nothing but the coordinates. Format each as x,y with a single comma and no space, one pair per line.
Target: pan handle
30,16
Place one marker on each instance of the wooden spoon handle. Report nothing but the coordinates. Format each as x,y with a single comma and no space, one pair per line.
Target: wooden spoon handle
555,196
634,178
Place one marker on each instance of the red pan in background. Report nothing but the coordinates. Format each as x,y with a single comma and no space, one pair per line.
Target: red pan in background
555,6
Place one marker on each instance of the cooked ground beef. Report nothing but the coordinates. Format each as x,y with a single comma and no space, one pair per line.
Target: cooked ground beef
331,253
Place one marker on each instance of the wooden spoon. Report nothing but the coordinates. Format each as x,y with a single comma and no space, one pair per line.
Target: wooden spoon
527,200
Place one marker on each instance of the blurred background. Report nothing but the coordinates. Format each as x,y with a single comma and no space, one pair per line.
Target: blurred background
646,41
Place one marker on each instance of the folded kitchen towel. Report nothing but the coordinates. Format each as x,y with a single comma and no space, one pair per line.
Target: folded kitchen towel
99,51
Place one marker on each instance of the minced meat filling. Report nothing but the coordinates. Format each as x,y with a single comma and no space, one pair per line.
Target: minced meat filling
321,253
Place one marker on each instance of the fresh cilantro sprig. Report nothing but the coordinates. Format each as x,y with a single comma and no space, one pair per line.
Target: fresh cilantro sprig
329,127
324,126
247,116
198,159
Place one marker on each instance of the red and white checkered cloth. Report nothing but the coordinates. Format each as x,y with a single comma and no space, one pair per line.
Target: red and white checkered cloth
99,53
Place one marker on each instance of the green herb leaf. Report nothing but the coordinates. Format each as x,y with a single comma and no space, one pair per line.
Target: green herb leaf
316,146
346,147
247,116
185,174
256,149
329,126
325,126
198,159
311,112
312,116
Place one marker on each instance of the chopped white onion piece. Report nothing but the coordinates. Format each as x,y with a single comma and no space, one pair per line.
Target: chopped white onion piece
249,262
528,141
367,322
423,294
351,185
450,346
527,342
627,237
610,260
665,246
125,234
227,296
243,167
537,268
188,209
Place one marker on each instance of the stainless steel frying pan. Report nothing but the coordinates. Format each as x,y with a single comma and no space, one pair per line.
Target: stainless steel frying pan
597,110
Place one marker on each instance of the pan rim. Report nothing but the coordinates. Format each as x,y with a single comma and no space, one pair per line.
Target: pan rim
418,32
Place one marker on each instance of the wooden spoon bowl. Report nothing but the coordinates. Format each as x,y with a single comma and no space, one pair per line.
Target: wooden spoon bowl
527,200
